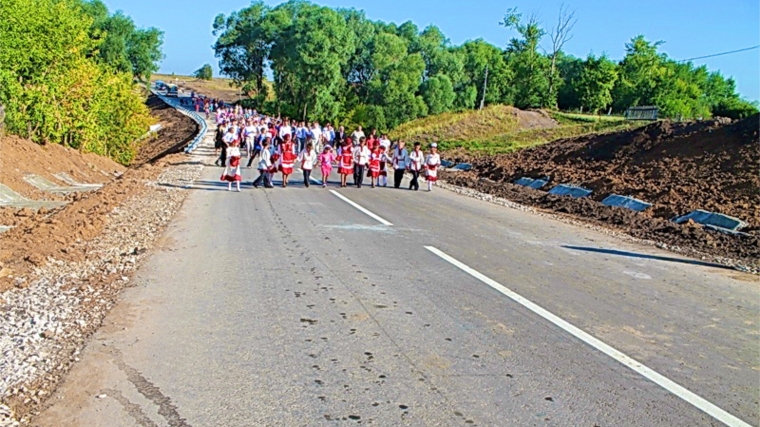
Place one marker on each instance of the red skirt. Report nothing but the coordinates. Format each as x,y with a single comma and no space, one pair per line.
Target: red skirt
231,178
345,171
286,170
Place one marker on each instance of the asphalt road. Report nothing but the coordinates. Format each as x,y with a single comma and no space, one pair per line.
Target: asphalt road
291,307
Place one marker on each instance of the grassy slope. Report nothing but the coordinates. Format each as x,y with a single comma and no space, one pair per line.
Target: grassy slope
494,130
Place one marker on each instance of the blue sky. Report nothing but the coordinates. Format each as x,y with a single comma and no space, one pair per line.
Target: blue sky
689,28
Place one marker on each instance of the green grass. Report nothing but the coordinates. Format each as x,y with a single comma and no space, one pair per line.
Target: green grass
495,130
578,117
472,124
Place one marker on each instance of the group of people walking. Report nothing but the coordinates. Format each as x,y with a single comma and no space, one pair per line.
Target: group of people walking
280,146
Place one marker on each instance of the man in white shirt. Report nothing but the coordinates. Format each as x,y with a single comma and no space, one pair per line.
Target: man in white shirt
285,129
361,159
316,136
250,132
385,142
400,161
357,135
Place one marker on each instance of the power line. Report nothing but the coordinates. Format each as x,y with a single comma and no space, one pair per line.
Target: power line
720,54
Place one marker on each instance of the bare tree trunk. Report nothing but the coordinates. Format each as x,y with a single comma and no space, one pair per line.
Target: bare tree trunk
560,35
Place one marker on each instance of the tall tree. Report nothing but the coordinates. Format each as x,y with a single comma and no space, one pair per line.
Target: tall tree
559,35
244,40
530,68
640,70
123,46
595,83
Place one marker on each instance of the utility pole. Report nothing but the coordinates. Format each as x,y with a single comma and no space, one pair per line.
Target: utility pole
485,85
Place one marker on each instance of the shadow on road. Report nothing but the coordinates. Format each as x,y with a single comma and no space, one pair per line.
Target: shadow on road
646,256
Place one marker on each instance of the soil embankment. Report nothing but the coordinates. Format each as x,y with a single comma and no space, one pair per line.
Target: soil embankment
678,167
56,233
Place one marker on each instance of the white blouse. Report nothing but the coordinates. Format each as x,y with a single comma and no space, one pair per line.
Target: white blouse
307,159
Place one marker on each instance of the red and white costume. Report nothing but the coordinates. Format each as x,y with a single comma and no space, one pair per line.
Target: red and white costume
232,168
432,162
345,160
287,157
375,159
416,160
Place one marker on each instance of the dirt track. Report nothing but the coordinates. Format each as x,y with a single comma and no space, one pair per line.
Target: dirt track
678,167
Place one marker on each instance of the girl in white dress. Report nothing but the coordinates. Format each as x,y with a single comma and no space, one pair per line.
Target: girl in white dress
432,162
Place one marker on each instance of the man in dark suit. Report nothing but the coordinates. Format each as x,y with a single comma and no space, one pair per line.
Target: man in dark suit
340,136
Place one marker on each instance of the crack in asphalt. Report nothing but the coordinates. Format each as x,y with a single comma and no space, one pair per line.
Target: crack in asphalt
151,392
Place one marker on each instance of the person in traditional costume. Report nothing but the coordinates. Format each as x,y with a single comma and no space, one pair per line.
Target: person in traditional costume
416,161
326,160
287,158
384,160
400,163
345,161
361,159
232,169
307,157
374,165
432,163
265,165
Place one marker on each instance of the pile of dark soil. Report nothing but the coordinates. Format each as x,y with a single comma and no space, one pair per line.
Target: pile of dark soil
177,132
678,167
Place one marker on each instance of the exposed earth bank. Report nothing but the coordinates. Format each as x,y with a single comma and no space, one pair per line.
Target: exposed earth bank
61,269
678,167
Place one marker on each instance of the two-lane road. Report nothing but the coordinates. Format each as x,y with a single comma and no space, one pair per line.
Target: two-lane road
293,307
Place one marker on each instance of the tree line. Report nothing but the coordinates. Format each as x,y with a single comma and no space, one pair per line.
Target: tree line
67,74
338,65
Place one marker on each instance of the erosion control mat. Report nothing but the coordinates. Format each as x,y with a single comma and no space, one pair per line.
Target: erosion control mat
678,167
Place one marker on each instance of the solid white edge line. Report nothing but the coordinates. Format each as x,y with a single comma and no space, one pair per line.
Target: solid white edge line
669,385
345,199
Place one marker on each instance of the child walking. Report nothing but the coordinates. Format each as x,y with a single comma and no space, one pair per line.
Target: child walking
346,161
265,166
232,169
307,157
384,160
374,165
326,160
432,162
287,158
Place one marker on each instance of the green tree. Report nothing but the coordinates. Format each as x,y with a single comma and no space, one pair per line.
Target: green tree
595,83
123,46
53,88
530,84
438,93
243,46
640,70
477,56
569,68
204,73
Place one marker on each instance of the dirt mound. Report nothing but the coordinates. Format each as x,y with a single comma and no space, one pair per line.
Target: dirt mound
37,235
19,157
678,167
176,133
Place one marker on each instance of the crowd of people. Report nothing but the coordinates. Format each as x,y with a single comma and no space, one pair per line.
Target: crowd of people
282,144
